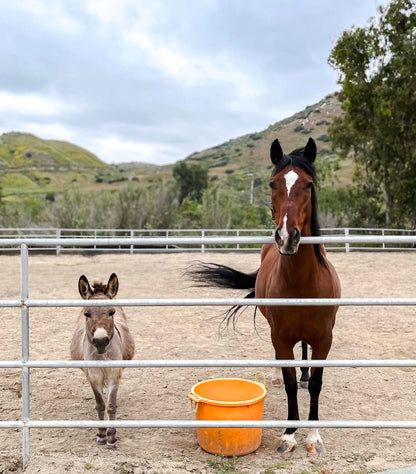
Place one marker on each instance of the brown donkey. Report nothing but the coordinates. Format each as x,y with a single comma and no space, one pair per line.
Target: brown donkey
102,334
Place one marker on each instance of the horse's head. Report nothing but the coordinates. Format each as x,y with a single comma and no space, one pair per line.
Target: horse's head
99,320
293,195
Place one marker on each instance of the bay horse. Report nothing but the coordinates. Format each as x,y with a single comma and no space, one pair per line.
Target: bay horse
290,270
102,333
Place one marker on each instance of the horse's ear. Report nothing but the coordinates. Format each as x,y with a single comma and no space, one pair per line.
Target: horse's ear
276,152
84,287
310,150
112,286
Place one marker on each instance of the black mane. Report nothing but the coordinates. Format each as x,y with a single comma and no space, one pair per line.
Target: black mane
297,158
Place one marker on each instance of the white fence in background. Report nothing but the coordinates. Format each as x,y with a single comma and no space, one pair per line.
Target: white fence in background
170,240
25,364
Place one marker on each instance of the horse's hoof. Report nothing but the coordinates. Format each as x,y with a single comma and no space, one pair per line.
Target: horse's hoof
285,447
101,441
111,446
315,448
304,384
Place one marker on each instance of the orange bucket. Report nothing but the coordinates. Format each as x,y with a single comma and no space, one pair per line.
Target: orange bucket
229,399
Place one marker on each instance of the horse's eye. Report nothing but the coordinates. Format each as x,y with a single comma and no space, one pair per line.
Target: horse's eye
309,185
87,314
112,312
271,185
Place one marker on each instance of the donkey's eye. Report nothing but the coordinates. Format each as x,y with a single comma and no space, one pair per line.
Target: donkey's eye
87,314
112,312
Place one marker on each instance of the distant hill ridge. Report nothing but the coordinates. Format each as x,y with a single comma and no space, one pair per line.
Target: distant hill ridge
253,149
26,151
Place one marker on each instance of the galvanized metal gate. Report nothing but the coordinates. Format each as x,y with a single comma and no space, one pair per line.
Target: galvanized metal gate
25,364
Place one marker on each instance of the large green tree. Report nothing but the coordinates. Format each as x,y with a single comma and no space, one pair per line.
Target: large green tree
377,72
191,180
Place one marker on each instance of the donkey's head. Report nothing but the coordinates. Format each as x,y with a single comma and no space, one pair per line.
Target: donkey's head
99,320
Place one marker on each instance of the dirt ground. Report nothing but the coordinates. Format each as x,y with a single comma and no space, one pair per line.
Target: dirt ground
192,333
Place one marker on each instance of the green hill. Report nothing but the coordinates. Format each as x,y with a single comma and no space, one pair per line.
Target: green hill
23,151
32,166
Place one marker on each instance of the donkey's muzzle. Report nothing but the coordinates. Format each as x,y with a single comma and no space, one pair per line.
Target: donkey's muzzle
287,242
101,343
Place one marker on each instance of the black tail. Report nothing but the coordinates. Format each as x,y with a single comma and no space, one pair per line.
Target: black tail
213,274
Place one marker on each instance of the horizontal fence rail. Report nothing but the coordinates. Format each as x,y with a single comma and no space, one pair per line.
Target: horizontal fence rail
24,244
188,240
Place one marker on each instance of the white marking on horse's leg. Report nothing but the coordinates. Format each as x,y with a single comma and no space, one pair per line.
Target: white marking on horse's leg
314,443
287,443
100,333
291,178
277,377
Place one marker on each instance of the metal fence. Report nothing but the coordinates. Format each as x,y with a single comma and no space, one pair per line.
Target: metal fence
165,240
25,364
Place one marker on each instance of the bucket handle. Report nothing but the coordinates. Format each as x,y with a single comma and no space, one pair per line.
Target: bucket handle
260,373
194,401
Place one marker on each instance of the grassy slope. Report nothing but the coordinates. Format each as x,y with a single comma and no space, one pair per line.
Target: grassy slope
30,165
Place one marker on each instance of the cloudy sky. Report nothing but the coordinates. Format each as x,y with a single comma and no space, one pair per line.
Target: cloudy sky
156,80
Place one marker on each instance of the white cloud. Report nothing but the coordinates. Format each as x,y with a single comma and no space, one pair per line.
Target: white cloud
31,104
116,150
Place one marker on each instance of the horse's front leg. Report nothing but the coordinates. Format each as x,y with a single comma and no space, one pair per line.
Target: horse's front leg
314,444
100,407
288,442
112,410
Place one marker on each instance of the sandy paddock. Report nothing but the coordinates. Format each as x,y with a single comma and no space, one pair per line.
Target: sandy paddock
187,333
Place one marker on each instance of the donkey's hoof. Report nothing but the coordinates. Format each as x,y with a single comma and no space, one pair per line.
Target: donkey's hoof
315,448
285,447
101,440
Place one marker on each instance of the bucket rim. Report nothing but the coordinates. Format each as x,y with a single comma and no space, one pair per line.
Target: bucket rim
210,401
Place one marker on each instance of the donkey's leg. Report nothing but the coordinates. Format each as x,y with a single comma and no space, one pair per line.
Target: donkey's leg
314,444
304,379
112,410
288,442
100,407
277,377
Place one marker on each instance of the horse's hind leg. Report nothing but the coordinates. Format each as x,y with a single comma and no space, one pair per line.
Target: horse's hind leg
304,379
100,407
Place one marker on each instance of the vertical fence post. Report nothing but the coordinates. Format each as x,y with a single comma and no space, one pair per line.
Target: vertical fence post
202,245
347,244
58,236
132,246
24,283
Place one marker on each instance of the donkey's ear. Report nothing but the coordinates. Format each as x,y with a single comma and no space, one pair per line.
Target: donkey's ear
276,152
310,150
112,286
84,288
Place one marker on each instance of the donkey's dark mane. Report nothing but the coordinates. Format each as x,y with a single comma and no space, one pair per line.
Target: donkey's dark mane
297,159
99,287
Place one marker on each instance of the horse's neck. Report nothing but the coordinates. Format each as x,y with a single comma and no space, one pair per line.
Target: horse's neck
300,267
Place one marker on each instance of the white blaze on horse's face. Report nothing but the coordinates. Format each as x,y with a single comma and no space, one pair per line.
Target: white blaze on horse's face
290,178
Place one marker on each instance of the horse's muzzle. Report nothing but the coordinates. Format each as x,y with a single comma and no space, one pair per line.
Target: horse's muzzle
287,242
